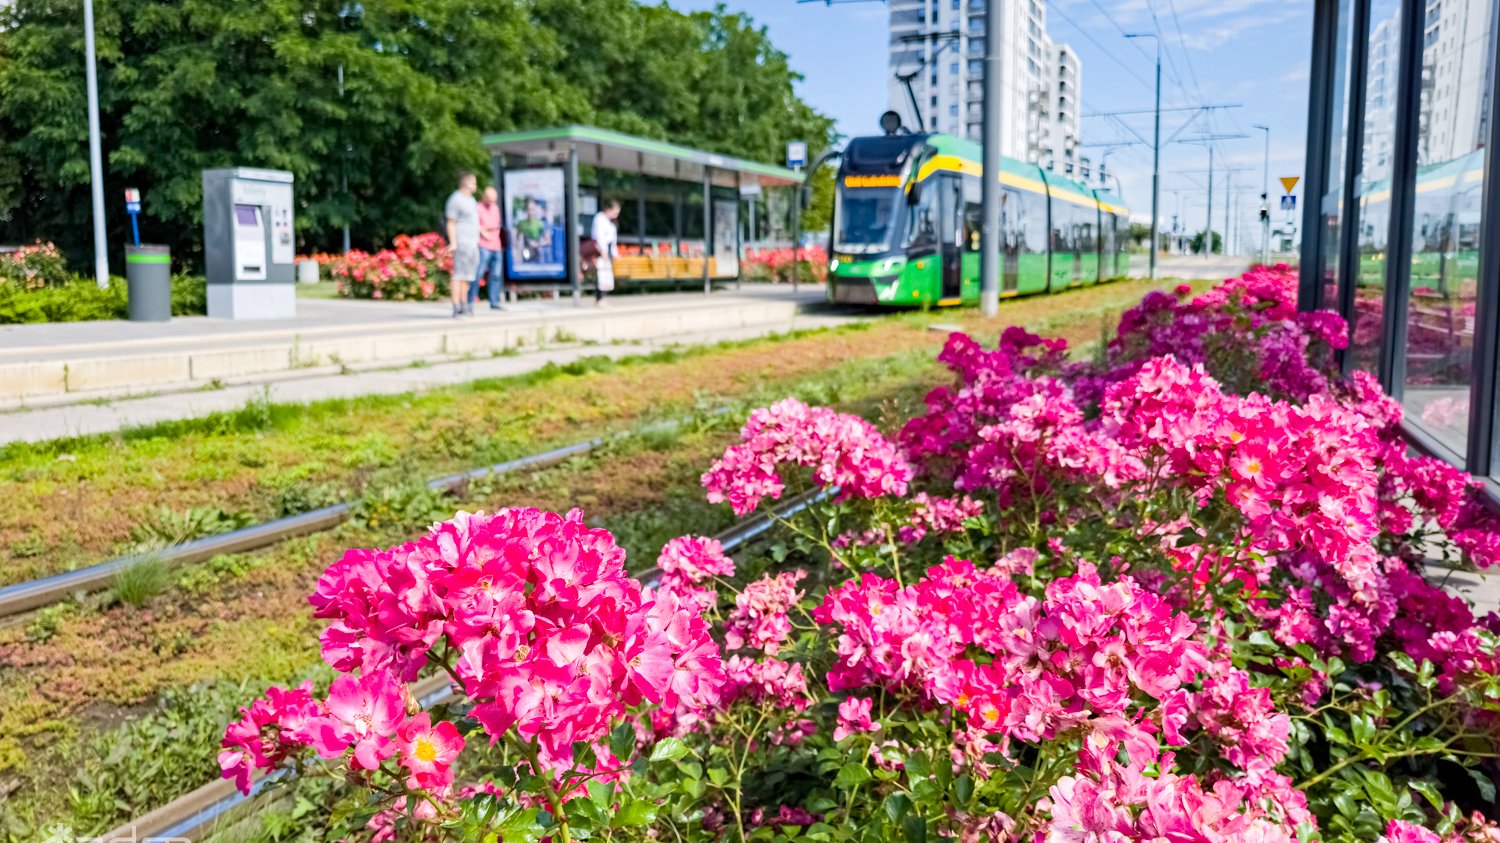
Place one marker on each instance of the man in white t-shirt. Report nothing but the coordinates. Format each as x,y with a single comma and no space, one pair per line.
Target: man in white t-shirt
462,215
607,237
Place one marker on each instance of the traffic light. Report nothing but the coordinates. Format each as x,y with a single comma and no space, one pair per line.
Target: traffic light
1265,212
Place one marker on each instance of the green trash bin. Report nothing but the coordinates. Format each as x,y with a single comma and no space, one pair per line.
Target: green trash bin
148,281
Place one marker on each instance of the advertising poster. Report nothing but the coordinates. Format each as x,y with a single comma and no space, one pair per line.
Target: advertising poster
534,218
726,238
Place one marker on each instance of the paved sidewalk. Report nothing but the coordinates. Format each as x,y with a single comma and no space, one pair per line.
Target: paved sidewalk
65,363
41,424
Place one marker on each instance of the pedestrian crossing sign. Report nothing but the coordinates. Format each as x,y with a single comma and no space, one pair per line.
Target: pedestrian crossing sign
1288,203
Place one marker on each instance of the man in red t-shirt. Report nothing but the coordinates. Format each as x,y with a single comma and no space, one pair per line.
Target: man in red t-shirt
490,250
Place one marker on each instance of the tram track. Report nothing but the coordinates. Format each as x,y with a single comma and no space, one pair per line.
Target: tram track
197,814
21,598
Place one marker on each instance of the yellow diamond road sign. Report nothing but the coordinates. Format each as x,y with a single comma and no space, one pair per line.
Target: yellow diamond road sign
1289,182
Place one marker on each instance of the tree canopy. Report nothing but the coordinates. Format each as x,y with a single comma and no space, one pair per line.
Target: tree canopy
374,107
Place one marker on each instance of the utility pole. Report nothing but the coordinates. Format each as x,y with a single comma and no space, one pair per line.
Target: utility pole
1208,227
990,238
96,165
1228,219
1155,150
1265,199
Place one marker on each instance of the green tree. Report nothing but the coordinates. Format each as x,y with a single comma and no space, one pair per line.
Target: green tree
1197,243
196,84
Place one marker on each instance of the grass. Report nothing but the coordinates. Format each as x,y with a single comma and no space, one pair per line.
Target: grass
83,499
142,580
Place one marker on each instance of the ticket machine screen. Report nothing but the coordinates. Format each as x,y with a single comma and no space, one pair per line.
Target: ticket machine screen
249,243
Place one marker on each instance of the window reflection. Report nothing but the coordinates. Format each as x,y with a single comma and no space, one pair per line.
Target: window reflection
1445,224
1375,183
1333,204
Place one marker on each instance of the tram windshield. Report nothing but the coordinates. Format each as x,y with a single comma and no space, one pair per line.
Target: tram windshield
864,220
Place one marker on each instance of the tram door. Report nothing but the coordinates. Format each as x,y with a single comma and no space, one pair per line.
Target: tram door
1010,239
951,235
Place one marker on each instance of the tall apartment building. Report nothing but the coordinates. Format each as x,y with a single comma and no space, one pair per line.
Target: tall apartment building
941,43
1455,65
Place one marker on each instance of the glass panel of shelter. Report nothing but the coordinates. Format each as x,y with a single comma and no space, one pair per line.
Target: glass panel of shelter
1374,184
1440,309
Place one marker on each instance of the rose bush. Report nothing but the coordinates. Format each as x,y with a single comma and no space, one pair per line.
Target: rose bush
775,264
37,265
415,268
1177,592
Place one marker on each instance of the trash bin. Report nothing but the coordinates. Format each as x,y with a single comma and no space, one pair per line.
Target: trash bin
148,280
307,271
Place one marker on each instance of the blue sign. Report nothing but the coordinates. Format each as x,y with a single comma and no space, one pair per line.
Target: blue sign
133,207
796,154
1289,203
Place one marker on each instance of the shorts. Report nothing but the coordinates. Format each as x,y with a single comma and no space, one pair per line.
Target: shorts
465,262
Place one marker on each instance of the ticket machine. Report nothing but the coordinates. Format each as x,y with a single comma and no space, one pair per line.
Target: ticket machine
249,247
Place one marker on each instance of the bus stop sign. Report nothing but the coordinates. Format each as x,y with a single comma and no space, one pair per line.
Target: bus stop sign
796,154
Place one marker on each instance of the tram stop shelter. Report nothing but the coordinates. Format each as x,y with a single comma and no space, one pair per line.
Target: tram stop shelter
683,212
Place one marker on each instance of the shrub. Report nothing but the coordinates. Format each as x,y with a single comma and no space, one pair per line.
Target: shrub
1132,598
775,265
37,265
79,299
415,268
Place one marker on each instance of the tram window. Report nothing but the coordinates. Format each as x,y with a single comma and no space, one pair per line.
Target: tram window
921,227
863,219
1033,222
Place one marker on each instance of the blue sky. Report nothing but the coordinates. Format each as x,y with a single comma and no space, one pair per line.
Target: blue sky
1250,52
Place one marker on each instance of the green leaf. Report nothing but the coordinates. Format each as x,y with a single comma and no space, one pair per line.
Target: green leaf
635,814
1430,791
622,741
670,749
897,805
963,789
914,828
850,775
520,826
1485,784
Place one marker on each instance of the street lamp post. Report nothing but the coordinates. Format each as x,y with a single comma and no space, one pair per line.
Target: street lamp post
989,255
96,167
1155,148
1265,198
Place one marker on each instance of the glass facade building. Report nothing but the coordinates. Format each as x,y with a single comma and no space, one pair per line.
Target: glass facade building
1401,230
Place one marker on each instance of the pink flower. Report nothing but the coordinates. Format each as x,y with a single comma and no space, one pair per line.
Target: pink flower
759,618
428,751
268,733
843,451
854,717
1401,831
363,712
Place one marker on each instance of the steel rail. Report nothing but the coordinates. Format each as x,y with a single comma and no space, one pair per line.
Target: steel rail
194,815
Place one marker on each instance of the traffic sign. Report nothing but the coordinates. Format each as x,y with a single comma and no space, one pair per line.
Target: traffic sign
1290,182
1289,202
796,154
133,207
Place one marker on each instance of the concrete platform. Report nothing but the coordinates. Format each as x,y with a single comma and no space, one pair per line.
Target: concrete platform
65,363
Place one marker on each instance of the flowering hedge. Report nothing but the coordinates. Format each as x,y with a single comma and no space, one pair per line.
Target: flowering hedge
415,268
37,265
1176,593
775,265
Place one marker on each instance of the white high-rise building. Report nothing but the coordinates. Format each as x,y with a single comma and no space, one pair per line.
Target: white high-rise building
941,45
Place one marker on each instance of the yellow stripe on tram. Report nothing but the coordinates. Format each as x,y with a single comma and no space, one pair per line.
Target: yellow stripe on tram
949,302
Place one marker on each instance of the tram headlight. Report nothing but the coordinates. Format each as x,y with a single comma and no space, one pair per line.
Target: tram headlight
833,265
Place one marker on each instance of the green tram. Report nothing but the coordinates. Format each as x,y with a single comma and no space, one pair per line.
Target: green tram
907,218
1445,233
